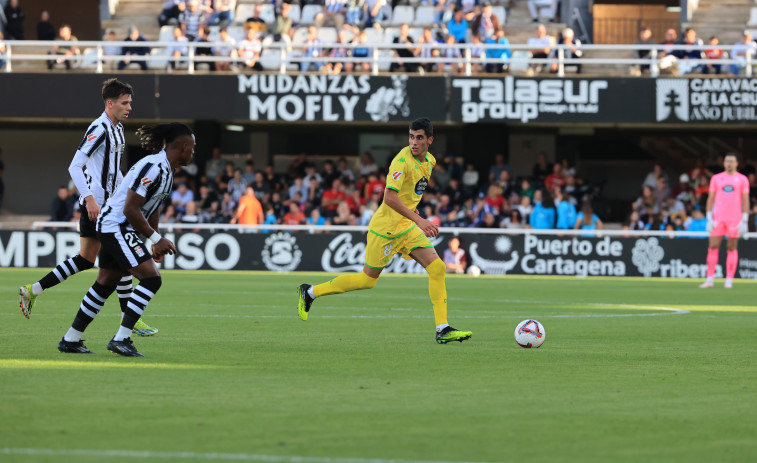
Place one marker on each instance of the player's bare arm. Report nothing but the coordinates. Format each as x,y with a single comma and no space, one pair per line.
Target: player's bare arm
153,221
392,199
133,213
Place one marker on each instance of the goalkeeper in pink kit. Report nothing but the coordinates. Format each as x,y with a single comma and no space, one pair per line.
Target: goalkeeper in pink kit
727,215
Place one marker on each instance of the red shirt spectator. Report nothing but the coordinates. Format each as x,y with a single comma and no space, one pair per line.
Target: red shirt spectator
374,186
496,200
295,216
555,179
331,198
354,201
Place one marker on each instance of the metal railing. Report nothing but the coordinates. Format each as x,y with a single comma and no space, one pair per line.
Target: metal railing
380,55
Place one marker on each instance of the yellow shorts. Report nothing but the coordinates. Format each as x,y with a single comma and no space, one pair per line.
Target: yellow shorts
379,250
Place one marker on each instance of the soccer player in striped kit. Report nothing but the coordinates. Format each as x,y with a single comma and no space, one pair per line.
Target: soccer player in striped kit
131,211
727,215
96,172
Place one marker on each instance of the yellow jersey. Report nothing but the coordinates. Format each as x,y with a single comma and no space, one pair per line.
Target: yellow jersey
409,177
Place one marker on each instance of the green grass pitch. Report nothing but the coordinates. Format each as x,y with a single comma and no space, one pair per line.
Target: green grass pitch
632,370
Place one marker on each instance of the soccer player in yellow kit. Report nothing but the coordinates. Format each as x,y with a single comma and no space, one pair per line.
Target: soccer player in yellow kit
396,227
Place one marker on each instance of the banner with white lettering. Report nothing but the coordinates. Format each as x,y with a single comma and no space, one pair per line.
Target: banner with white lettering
705,100
344,252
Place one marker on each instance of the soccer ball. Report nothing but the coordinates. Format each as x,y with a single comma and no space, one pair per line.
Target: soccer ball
473,270
529,333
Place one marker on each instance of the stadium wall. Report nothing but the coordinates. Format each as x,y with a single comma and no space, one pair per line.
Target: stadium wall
333,251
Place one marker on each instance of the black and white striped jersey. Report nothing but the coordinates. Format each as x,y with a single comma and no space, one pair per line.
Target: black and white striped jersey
151,178
96,167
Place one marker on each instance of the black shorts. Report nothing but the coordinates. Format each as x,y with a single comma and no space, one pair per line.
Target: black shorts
87,228
122,250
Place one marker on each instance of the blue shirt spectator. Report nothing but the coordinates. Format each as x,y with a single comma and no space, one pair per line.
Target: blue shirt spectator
502,54
458,26
542,217
566,215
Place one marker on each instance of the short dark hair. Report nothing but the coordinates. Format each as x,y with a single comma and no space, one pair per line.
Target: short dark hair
423,123
114,88
154,137
731,153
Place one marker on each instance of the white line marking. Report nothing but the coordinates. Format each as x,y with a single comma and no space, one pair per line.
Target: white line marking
137,454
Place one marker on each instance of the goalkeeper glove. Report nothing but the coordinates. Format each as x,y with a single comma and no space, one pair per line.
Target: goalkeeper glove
744,225
710,224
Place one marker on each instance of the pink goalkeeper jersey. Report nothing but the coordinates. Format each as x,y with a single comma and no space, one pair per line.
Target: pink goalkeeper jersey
730,190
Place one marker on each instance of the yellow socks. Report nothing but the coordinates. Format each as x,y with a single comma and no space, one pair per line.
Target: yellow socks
437,290
345,283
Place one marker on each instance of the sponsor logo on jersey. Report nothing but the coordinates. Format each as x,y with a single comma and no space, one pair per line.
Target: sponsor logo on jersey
139,251
396,175
420,187
91,137
146,181
728,188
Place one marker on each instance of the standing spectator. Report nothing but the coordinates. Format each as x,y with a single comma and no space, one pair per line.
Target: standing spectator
62,208
67,52
555,179
740,51
651,179
45,29
470,179
215,165
501,53
223,13
249,51
470,8
237,185
227,49
454,256
544,8
540,45
713,53
486,23
543,215
332,14
249,211
367,165
179,49
566,212
134,51
541,170
662,191
574,50
312,49
689,59
192,19
587,219
249,172
458,26
171,13
402,53
646,40
14,16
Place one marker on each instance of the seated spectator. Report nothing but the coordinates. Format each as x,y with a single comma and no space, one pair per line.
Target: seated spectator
249,210
14,21
470,179
237,185
633,222
574,50
202,37
671,37
262,188
227,49
207,203
336,56
645,39
67,53
223,13
375,11
354,15
543,214
3,51
295,216
476,53
282,29
479,210
543,8
439,11
367,212
555,179
312,49
713,53
486,23
526,189
697,222
132,52
587,219
172,11
662,190
540,46
400,53
343,215
739,52
192,19
179,49
62,208
332,14
525,208
458,26
362,51
315,218
168,215
454,256
226,209
501,54
514,220
689,59
249,171
111,50
45,29
344,171
453,55
426,49
255,22
190,214
332,198
181,196
249,51
470,8
651,179
541,170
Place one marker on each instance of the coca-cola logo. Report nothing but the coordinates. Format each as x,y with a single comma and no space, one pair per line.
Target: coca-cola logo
342,255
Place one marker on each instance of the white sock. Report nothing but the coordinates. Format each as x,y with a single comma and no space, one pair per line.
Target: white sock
441,327
37,289
122,334
710,280
311,293
729,281
72,335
